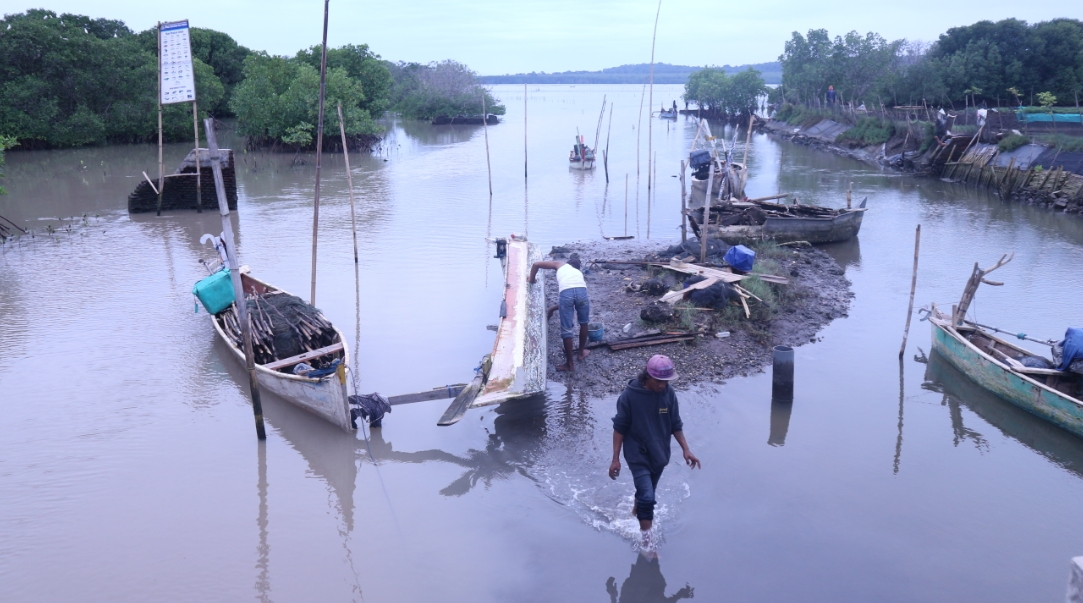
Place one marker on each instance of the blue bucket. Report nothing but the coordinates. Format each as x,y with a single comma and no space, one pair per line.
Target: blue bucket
595,331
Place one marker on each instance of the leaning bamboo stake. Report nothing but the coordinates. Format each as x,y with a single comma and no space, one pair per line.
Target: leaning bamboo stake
683,218
349,179
913,285
650,123
626,205
319,150
605,156
199,171
485,125
748,141
235,276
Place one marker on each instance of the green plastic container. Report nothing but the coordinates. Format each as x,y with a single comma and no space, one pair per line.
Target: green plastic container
215,292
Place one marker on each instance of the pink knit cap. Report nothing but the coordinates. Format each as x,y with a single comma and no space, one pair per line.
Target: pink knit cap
661,368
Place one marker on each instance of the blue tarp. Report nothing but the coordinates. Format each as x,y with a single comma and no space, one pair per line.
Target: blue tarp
740,257
1073,347
1073,118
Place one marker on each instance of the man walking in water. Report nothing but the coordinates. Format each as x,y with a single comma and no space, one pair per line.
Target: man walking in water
647,416
573,303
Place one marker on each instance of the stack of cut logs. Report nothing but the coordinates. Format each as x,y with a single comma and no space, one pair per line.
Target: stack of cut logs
311,331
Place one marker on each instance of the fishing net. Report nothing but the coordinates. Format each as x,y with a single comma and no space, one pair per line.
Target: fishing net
283,325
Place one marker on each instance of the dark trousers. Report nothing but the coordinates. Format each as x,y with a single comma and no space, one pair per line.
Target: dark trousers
646,481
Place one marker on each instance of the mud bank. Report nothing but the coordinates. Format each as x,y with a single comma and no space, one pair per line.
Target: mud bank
1033,174
817,294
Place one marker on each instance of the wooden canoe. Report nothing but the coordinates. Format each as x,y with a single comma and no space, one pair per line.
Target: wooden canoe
1053,395
519,352
832,227
327,396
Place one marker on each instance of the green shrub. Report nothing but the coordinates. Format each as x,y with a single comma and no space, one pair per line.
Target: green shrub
930,135
1013,142
868,131
1064,142
6,142
959,129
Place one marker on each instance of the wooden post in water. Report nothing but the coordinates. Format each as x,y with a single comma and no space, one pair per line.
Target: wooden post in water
319,151
849,195
485,126
650,123
605,157
626,205
199,171
913,285
706,214
349,179
235,276
748,141
161,166
684,218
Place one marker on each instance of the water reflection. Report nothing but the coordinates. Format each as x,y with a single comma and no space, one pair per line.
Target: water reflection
645,584
263,580
1052,442
780,422
423,132
846,253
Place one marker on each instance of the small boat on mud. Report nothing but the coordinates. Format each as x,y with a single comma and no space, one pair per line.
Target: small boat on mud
1019,376
581,156
740,221
299,355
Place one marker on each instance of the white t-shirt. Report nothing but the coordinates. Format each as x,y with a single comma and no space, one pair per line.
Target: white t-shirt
569,278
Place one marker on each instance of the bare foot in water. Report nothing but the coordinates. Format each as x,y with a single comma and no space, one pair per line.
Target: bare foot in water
635,509
564,368
583,354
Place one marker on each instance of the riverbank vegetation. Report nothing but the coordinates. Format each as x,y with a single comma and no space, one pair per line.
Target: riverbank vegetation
6,142
446,88
714,90
1007,62
69,80
277,102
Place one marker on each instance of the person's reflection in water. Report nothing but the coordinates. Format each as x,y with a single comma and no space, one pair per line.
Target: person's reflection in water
645,584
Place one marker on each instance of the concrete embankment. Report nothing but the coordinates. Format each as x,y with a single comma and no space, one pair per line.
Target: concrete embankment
1033,173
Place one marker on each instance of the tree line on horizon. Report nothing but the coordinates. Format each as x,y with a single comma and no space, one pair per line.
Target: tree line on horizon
1009,61
69,80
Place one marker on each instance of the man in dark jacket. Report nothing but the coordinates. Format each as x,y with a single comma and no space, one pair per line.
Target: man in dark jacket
647,417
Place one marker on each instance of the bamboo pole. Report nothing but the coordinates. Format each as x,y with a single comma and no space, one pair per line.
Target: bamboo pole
605,157
161,165
849,195
748,141
199,171
349,179
485,126
235,276
706,214
626,205
684,218
913,285
319,149
524,135
650,122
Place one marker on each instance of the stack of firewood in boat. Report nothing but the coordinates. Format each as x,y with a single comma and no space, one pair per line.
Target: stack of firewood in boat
282,325
732,214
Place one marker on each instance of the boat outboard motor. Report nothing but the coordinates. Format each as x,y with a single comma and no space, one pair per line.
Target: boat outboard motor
700,162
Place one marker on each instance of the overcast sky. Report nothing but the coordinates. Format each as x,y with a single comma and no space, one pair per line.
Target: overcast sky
497,37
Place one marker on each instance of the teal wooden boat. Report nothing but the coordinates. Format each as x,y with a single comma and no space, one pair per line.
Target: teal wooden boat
1056,396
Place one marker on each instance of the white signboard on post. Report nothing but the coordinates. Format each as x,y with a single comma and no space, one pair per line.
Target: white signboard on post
177,78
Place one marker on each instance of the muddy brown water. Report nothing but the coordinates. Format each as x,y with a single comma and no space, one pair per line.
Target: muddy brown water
129,468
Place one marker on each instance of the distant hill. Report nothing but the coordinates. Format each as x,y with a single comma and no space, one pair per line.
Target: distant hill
664,73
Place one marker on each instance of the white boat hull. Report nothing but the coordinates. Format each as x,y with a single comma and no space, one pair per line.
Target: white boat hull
327,397
582,165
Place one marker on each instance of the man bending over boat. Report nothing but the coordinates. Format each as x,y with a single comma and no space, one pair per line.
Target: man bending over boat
646,420
573,303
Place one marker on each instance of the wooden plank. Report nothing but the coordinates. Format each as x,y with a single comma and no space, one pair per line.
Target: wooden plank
458,407
292,360
437,393
675,296
1037,371
638,344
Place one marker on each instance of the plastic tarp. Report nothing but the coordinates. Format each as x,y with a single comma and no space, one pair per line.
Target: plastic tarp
1024,156
1073,347
1053,158
1068,118
740,257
